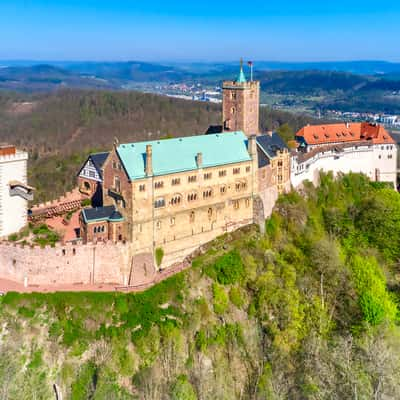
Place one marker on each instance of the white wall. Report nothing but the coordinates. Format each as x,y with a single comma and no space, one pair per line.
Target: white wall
365,159
13,209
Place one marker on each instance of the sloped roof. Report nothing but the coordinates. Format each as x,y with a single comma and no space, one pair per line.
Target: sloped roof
99,159
179,154
96,214
342,132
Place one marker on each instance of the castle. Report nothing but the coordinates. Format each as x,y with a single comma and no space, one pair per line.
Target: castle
156,202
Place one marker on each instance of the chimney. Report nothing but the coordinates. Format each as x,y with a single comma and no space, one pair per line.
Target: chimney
199,160
252,146
149,160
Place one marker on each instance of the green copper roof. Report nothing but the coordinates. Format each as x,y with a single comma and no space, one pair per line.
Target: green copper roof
241,78
179,154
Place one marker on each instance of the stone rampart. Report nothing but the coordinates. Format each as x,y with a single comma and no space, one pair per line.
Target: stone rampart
68,264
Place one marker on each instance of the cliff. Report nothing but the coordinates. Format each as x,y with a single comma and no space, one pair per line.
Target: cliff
307,310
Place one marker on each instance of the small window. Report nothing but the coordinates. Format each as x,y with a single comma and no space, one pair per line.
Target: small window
233,110
238,186
176,181
207,194
236,204
158,224
117,184
192,178
247,203
142,188
222,189
114,164
191,216
248,169
236,171
208,175
222,173
192,197
160,202
103,228
210,213
280,163
159,185
176,200
172,221
119,166
233,95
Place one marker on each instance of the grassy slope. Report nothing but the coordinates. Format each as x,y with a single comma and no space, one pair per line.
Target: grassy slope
306,311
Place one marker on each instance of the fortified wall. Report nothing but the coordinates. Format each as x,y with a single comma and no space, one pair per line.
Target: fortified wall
69,264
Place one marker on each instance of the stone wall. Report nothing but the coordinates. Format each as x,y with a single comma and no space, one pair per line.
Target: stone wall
70,264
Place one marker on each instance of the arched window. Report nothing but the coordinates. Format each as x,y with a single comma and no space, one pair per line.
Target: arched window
210,213
233,110
176,200
117,184
86,185
191,216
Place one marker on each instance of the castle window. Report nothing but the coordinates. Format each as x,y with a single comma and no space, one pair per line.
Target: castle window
142,188
103,228
233,95
233,110
237,186
243,185
159,185
119,166
208,175
192,178
117,184
236,171
207,194
160,202
279,178
191,216
236,204
172,221
248,169
63,252
192,197
114,164
280,163
158,224
247,202
222,189
222,173
176,181
210,213
176,200
73,252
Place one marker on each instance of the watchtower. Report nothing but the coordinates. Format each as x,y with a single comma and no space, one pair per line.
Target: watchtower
240,105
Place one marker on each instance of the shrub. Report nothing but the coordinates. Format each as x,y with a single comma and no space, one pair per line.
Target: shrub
159,255
236,297
86,203
182,389
220,299
375,301
228,268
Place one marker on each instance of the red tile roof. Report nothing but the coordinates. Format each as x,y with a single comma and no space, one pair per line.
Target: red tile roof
339,133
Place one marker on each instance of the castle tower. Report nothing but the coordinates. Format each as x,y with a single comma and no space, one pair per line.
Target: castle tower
14,191
240,105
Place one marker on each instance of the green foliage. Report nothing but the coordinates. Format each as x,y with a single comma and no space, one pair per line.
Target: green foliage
220,298
159,255
375,301
227,269
182,389
85,385
86,203
236,296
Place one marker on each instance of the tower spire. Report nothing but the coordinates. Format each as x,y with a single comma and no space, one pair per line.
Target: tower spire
241,77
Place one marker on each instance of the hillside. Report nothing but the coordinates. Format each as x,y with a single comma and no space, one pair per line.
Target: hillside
59,129
307,311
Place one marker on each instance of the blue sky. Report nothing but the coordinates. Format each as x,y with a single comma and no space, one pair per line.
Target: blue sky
199,30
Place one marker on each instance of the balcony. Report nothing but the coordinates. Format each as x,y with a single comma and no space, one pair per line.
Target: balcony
21,190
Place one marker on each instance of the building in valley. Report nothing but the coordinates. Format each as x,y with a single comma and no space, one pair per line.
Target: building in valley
14,190
347,147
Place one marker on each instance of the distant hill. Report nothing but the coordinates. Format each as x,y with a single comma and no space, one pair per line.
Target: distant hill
41,78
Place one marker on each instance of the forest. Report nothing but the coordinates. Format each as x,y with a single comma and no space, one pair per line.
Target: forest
60,129
306,310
